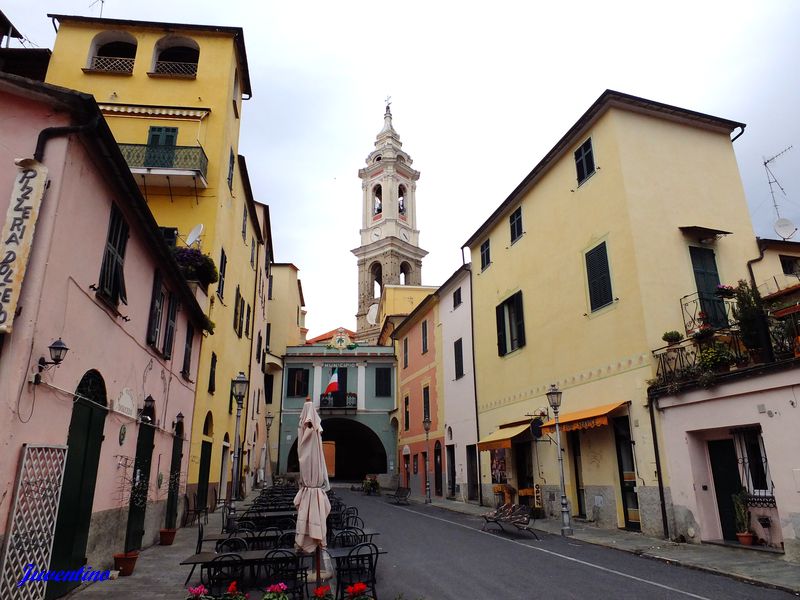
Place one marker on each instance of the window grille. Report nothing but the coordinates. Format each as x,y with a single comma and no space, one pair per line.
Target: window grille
112,64
753,466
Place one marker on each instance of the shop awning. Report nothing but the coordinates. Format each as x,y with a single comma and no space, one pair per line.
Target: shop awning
502,437
596,416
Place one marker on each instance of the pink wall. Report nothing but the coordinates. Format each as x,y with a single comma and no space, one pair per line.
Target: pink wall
57,301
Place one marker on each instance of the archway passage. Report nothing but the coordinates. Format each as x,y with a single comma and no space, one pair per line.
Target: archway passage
359,450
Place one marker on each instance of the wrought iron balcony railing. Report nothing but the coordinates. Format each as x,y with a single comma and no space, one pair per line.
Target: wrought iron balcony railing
189,158
112,64
164,67
706,311
338,400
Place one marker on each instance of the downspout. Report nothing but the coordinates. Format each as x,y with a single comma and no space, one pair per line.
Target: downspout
664,523
47,134
763,327
474,379
738,135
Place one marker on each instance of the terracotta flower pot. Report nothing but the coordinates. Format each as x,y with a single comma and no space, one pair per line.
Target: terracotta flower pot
167,536
124,562
745,539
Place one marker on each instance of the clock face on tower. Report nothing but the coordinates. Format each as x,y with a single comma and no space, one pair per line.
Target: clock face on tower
405,234
376,233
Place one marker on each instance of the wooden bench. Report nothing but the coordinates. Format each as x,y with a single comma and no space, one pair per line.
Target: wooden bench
518,516
400,495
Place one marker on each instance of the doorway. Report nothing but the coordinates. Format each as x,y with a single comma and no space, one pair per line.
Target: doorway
160,152
223,474
725,471
205,470
84,441
706,278
574,441
451,471
437,468
627,473
174,482
140,479
472,473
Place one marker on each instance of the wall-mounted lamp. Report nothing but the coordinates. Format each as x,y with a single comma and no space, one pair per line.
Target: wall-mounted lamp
178,422
147,414
58,350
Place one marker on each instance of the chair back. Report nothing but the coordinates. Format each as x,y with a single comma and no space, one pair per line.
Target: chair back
221,570
286,540
199,548
285,566
232,544
225,512
358,566
353,521
345,538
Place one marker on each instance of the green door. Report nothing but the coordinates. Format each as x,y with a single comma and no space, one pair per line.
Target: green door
161,143
84,440
174,479
205,468
140,483
706,277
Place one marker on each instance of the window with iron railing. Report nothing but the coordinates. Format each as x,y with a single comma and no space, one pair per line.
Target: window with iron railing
753,465
112,64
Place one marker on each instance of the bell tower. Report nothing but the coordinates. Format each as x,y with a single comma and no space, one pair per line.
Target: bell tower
389,253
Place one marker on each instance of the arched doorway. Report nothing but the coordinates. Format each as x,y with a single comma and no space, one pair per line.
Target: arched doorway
84,440
140,478
437,468
359,450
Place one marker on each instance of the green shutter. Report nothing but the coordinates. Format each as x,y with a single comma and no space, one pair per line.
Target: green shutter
599,277
155,309
501,330
520,319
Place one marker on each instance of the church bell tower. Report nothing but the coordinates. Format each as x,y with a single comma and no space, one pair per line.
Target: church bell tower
389,253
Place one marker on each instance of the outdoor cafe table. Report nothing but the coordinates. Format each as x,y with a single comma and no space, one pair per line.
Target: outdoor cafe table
257,536
257,556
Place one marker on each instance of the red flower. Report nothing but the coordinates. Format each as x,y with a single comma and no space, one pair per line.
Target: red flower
322,591
232,588
356,589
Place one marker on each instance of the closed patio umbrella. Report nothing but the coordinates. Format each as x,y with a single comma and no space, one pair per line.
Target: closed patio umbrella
311,501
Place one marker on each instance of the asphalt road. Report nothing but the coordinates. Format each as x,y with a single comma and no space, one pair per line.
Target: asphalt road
436,554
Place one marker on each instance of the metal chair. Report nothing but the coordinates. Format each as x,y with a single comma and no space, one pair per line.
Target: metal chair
231,545
353,521
222,570
189,513
358,566
286,540
345,538
285,566
201,510
197,550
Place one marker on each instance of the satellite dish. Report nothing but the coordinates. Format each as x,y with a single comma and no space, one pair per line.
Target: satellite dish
194,234
372,314
785,228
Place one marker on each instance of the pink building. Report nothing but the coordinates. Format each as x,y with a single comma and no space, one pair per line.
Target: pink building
95,454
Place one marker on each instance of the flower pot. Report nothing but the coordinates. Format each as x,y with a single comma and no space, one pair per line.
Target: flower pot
124,562
167,536
745,539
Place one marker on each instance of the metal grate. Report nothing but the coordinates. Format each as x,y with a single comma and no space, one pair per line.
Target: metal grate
165,157
32,520
165,67
113,64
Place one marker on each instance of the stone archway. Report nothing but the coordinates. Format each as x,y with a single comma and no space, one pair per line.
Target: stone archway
359,450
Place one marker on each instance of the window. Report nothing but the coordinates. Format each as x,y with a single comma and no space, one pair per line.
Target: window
269,382
383,382
268,336
426,402
112,276
424,337
510,325
515,221
486,258
297,382
406,414
259,342
790,265
599,277
584,161
753,467
231,162
169,332
160,151
247,323
458,355
244,224
405,353
269,289
156,311
457,298
212,374
416,463
231,400
253,252
223,265
237,313
186,369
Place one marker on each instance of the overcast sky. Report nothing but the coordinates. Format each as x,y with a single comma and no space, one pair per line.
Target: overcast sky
480,92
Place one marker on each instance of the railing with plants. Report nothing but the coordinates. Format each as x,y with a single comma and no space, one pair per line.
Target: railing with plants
192,158
706,311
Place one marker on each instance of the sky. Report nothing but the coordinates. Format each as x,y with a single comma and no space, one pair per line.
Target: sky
480,92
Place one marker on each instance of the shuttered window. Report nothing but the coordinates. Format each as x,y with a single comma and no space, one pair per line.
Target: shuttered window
236,313
515,222
486,257
223,266
424,337
599,277
186,370
383,382
426,402
212,374
169,332
584,161
112,276
156,310
458,355
510,325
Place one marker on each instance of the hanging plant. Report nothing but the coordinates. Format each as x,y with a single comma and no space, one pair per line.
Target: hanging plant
196,266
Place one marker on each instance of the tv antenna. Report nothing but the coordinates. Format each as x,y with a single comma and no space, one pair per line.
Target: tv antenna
102,4
783,227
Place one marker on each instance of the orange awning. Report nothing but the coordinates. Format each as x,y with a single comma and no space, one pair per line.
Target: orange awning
589,418
502,437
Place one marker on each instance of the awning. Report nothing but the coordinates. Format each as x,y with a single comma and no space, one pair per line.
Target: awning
596,416
502,437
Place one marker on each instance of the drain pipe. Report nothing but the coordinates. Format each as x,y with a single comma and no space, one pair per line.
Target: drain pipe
664,523
45,135
474,377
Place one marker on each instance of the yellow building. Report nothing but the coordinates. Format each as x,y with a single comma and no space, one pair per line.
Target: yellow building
172,95
576,276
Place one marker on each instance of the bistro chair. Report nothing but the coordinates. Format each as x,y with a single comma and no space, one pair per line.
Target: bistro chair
284,565
358,566
353,521
267,538
222,570
197,550
225,512
286,540
189,513
201,510
345,538
232,544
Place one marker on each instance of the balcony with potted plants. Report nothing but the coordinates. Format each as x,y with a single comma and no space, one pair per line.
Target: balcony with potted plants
726,334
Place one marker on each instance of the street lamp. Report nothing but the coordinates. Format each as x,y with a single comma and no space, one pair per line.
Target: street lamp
239,390
426,423
268,418
554,399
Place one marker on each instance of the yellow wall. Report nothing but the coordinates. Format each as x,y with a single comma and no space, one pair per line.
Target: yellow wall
219,208
653,176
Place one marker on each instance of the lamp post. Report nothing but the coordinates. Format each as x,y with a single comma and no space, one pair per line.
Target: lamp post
426,423
239,386
268,418
554,399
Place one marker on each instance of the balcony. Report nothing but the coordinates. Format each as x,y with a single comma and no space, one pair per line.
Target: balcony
175,69
347,400
167,166
111,64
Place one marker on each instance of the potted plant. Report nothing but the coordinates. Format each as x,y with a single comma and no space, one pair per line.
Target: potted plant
742,518
715,358
750,315
725,291
196,266
370,485
672,337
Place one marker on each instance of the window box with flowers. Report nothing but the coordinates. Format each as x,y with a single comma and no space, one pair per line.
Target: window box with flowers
716,358
725,291
196,266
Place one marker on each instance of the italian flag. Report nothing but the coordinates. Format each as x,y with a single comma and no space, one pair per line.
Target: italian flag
333,384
